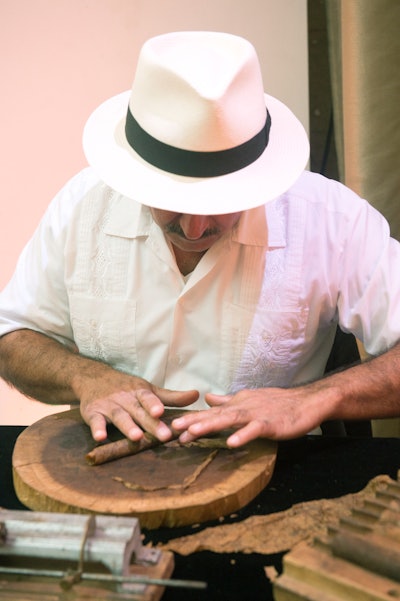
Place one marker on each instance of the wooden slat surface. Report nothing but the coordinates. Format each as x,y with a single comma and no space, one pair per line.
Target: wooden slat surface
357,560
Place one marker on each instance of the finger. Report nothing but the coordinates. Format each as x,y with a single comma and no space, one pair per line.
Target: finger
147,410
176,398
150,402
249,432
126,423
208,423
98,426
129,415
154,426
184,421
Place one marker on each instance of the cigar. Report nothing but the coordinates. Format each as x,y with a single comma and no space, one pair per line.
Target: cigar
111,451
122,448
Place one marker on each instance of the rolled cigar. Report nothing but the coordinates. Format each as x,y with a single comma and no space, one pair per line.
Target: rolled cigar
122,448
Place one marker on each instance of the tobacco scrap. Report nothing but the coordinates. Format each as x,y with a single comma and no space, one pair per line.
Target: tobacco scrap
276,532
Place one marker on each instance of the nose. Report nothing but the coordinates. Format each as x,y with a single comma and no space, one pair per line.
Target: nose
194,226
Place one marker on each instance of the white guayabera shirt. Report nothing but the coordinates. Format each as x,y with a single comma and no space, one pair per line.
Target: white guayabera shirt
260,309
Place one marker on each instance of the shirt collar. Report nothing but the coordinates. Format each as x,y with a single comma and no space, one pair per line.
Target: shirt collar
127,218
252,229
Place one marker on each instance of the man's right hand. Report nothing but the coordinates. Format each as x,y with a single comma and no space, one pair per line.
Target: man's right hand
132,404
44,369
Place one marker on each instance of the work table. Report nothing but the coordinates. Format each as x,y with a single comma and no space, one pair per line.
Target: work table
306,469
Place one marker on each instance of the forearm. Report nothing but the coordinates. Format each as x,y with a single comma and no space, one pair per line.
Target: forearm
41,367
370,390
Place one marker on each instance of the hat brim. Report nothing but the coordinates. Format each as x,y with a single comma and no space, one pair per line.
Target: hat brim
120,167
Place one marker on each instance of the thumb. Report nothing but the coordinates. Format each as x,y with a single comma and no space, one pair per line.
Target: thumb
178,398
215,400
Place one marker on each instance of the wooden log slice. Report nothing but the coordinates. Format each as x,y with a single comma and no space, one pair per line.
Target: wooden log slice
51,474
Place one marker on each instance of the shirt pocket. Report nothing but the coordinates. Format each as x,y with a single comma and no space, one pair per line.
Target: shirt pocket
261,347
104,329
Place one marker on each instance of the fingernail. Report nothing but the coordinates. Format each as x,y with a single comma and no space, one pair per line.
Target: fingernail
233,440
184,437
163,433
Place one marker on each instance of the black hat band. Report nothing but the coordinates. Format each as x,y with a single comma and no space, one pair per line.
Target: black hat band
192,163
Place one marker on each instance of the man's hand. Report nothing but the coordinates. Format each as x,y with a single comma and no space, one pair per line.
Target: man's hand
130,403
46,370
369,390
274,413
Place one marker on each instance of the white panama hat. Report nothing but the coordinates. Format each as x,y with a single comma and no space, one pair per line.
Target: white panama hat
197,134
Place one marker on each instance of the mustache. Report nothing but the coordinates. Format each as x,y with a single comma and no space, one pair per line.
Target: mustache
175,228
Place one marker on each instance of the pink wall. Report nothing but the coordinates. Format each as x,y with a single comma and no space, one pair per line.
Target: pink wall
60,58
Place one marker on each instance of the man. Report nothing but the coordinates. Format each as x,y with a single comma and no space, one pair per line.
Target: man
154,281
